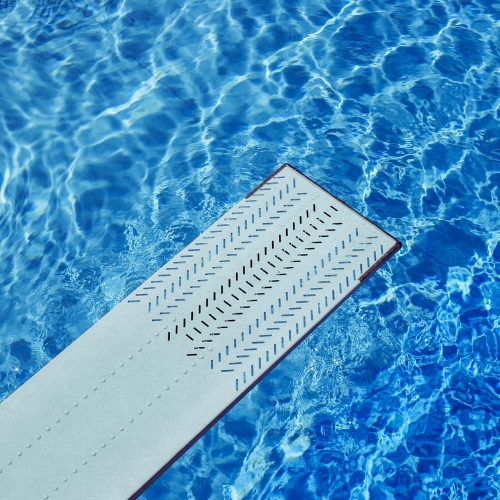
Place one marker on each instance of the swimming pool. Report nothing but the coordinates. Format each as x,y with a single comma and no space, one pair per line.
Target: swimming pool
128,128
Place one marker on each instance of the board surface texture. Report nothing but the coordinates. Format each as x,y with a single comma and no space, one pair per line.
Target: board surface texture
118,406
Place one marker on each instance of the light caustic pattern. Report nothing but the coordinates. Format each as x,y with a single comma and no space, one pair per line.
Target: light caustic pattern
128,128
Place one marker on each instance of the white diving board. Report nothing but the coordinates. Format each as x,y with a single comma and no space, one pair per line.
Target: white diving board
109,414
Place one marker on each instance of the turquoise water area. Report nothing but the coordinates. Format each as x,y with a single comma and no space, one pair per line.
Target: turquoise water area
128,127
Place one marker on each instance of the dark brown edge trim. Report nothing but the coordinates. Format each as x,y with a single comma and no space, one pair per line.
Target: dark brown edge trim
381,261
270,177
338,199
139,492
362,279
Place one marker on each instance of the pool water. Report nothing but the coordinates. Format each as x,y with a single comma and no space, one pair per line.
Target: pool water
128,127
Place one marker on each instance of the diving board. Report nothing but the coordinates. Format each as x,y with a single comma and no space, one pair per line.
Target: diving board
116,408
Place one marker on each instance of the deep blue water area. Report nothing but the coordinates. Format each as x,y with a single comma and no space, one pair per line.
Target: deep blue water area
128,127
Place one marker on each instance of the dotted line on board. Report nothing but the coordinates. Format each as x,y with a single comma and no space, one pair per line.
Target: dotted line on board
121,429
85,396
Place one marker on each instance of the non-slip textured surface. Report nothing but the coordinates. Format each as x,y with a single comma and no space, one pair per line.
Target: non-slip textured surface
125,399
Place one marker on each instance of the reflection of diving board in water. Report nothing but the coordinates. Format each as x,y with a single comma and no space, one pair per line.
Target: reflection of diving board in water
116,408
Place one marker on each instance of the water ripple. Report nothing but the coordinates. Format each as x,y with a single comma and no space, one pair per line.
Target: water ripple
127,128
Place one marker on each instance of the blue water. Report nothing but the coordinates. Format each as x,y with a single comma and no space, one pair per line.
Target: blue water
128,127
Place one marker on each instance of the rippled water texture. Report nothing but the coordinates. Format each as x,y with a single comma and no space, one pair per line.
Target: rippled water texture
127,127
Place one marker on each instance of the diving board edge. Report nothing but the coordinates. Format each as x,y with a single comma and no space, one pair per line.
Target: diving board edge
362,279
393,250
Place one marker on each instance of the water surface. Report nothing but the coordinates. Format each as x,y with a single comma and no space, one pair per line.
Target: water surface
127,128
